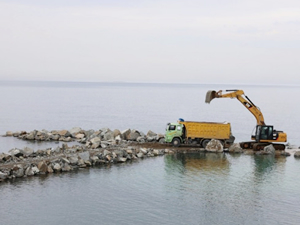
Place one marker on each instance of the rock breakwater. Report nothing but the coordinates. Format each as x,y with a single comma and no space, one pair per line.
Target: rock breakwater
27,162
91,138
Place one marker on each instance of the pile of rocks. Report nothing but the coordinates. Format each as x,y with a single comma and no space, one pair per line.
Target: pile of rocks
26,162
91,138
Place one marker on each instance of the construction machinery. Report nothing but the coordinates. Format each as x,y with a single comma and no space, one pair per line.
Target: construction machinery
264,134
198,133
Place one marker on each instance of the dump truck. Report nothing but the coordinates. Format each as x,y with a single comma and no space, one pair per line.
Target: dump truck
198,133
264,134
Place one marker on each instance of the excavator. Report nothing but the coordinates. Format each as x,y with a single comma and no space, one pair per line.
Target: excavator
264,134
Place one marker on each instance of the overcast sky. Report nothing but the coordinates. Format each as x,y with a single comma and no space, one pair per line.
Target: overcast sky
191,41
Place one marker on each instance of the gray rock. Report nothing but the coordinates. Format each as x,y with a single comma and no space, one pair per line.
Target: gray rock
133,135
297,154
104,144
151,134
73,160
84,155
108,136
235,148
106,152
15,152
35,169
155,152
79,136
81,163
94,159
64,133
89,133
141,139
118,138
3,175
65,160
4,157
96,141
121,159
116,133
151,139
8,134
140,155
42,166
29,171
214,146
144,150
269,149
66,167
17,133
18,170
125,134
50,170
56,167
75,130
27,151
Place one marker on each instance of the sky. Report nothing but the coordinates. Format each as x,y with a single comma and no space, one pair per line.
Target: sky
157,41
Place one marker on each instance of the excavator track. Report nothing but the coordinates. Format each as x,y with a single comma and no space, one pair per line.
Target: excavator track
260,146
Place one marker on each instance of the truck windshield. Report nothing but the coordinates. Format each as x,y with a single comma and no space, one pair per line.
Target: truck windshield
172,127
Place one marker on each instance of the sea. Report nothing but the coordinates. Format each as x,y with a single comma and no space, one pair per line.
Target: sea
191,188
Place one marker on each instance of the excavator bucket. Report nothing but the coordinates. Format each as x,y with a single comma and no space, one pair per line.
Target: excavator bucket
210,95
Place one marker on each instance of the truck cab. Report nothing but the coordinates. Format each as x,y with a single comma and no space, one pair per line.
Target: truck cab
174,133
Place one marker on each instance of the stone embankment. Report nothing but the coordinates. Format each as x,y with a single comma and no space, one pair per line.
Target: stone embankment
97,148
26,162
91,138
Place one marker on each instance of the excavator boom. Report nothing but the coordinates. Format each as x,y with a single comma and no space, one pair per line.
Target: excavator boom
239,95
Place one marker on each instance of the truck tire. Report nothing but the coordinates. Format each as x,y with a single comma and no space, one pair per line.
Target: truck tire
205,142
176,142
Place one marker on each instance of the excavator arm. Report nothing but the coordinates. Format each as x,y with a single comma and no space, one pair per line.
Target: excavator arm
239,95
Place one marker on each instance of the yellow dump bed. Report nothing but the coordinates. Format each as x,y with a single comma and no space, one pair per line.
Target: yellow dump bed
207,130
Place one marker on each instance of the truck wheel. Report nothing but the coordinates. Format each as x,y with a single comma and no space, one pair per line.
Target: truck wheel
176,142
205,142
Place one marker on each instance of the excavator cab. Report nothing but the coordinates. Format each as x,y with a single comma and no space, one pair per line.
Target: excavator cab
264,133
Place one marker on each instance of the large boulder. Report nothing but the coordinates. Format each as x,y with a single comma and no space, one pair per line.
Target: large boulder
109,135
9,133
42,166
84,155
15,152
125,134
75,130
18,170
3,175
297,154
31,135
27,151
269,150
235,148
64,133
151,134
133,135
96,141
214,146
79,136
116,133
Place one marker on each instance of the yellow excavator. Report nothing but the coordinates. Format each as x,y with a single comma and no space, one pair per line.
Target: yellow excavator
264,134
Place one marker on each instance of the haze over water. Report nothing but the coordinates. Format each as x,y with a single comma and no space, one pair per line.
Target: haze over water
172,189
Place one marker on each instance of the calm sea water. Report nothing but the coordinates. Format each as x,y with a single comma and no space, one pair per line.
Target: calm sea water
174,189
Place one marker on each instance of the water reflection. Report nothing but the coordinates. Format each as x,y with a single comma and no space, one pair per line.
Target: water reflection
200,161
